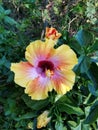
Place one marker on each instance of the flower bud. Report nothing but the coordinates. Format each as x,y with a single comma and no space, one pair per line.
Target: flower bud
43,119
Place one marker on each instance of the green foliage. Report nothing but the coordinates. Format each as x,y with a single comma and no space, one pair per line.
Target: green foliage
84,38
68,106
21,21
93,114
91,11
33,104
59,125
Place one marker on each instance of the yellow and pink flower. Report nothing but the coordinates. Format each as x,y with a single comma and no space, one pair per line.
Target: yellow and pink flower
46,69
52,33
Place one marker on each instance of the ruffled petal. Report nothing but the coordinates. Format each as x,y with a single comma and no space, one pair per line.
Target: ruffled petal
38,89
64,57
24,73
63,81
39,50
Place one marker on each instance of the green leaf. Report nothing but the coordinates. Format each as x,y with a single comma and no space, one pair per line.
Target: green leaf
75,45
92,89
59,124
70,109
81,126
95,46
7,12
31,1
67,99
93,74
26,116
80,59
90,98
68,106
35,104
83,64
72,123
84,37
1,9
4,62
9,20
93,115
10,106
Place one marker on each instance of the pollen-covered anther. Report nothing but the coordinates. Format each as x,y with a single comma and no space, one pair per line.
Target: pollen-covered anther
49,73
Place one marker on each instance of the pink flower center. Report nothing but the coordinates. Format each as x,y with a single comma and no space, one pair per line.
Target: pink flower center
46,68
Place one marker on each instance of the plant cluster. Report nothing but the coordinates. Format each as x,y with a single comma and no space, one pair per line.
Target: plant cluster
24,21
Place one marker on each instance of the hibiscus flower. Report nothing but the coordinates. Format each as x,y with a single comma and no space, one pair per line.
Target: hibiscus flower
46,69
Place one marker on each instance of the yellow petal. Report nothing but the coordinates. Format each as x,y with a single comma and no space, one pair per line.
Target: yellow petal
38,89
64,81
24,73
38,50
64,57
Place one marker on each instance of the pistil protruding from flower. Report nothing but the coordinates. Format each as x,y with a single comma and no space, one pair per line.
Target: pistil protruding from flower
49,73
